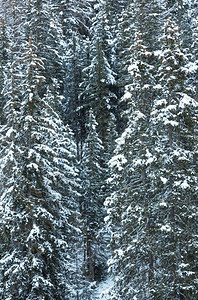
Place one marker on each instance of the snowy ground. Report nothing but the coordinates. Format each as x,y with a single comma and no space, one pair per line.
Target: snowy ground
102,290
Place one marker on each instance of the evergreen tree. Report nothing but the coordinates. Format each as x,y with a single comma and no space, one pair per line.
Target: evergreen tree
194,66
75,18
4,54
76,59
93,175
99,78
129,206
43,26
137,16
13,12
181,12
174,176
36,190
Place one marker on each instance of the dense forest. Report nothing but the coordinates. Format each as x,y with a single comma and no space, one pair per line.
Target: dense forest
98,149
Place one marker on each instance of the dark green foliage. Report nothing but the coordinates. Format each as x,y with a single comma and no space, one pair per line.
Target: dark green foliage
4,56
93,175
132,66
37,198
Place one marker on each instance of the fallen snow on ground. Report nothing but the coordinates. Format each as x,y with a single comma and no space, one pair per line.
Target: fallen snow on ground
103,288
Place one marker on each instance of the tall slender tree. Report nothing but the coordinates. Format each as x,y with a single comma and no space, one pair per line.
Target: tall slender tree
173,116
4,56
130,203
35,211
93,175
99,78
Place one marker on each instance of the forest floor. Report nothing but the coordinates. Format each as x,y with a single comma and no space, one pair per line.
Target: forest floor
102,290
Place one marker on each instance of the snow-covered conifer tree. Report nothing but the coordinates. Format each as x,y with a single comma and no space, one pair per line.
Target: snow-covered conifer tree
75,18
99,78
93,175
4,54
137,16
43,26
129,206
37,197
174,177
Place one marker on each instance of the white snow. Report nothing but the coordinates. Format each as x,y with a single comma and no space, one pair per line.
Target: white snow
33,166
139,115
133,67
161,102
182,265
127,96
185,184
7,258
33,233
149,160
191,67
9,132
157,87
158,53
7,192
119,252
31,95
118,161
187,101
35,262
163,204
171,122
103,289
166,228
146,86
163,179
111,78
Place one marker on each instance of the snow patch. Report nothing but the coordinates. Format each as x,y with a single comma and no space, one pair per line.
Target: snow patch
103,290
118,161
166,228
33,233
187,101
163,179
163,204
127,96
185,184
9,132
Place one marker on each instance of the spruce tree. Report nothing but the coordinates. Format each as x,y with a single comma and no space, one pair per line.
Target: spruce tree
74,110
129,206
4,55
174,176
43,26
75,18
99,78
93,175
36,200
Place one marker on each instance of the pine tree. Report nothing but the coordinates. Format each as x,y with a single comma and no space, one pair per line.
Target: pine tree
181,12
4,54
75,18
99,78
43,26
13,12
129,206
93,175
137,16
75,57
174,176
194,66
36,200
74,110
